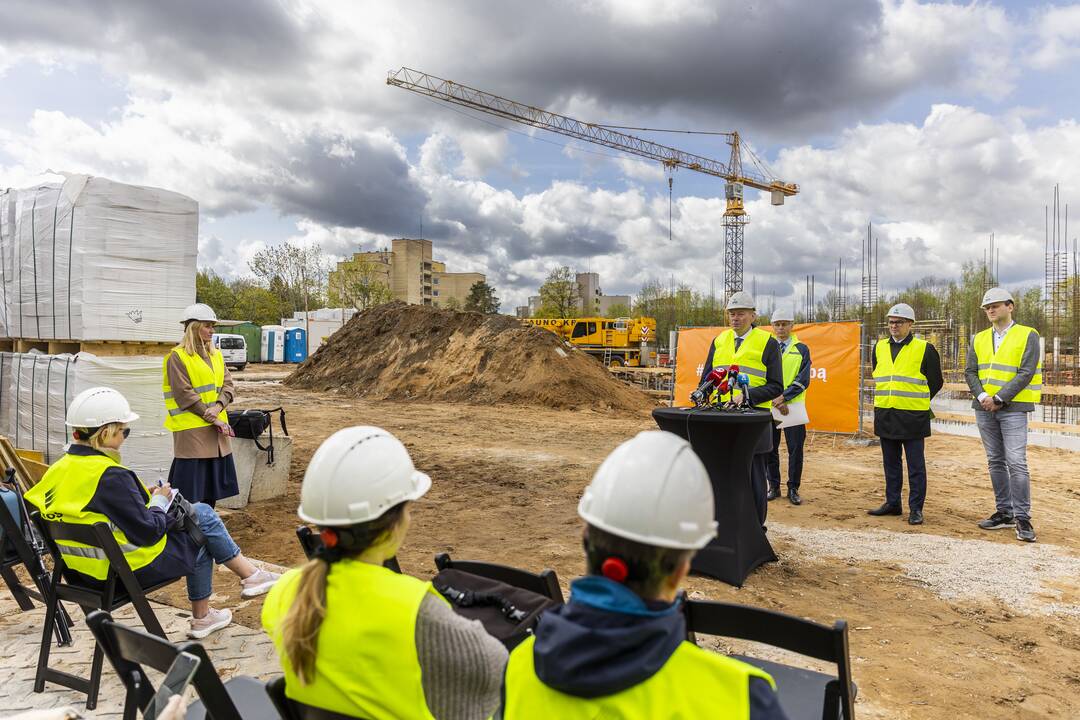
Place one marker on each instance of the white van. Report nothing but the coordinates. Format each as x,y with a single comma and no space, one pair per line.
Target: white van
233,350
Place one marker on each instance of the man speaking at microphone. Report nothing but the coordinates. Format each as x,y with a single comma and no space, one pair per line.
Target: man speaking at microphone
757,354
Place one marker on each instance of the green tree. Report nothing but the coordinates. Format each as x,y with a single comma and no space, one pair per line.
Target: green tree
559,294
617,310
482,298
295,273
450,303
358,283
258,304
211,288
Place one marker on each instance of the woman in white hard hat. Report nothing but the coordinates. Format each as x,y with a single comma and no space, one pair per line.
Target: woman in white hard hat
197,388
618,648
88,485
354,637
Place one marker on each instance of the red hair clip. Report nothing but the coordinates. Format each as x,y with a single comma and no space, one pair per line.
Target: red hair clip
614,569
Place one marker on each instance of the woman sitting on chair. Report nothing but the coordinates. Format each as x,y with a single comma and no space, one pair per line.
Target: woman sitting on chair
354,637
88,485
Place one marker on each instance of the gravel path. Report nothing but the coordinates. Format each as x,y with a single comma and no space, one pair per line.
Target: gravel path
1018,575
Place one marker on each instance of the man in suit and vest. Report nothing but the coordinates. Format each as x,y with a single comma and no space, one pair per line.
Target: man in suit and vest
1004,373
795,357
618,648
757,354
907,374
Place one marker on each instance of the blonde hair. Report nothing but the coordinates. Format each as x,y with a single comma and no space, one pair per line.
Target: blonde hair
104,434
193,343
300,628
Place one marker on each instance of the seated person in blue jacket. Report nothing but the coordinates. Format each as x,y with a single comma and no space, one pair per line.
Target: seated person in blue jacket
88,485
618,648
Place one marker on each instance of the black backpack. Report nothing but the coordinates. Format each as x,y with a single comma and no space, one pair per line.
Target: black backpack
250,424
508,613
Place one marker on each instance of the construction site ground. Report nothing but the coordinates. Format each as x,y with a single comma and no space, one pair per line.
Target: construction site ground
946,620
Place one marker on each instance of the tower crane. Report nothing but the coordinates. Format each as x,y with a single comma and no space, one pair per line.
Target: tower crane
735,175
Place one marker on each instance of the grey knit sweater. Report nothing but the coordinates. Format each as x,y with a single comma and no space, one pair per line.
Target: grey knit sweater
461,666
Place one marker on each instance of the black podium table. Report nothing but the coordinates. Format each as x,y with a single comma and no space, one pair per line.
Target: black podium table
725,441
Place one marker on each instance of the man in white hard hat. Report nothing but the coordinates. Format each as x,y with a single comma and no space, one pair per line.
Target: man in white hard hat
618,648
795,357
907,375
757,354
1004,373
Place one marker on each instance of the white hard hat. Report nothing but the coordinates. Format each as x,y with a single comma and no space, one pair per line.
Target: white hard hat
99,406
741,301
902,310
199,311
788,315
356,475
654,490
996,295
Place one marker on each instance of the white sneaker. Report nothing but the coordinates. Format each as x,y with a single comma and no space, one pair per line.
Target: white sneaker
213,621
259,583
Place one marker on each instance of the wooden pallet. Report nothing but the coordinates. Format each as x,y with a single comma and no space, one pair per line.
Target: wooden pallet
102,348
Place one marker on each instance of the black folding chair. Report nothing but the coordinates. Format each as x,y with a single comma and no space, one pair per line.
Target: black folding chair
129,649
20,547
310,542
546,583
290,709
804,694
118,589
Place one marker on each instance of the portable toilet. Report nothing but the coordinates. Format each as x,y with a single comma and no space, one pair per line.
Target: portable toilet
295,345
253,335
273,344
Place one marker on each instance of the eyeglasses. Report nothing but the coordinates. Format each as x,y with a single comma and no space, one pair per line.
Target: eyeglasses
898,322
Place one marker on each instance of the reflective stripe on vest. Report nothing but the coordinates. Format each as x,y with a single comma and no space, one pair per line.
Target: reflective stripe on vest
693,683
997,369
747,357
62,495
900,384
206,380
367,664
792,362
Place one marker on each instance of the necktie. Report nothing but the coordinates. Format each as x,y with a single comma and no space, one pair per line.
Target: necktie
738,342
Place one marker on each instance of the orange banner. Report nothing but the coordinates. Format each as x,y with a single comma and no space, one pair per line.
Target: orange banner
833,399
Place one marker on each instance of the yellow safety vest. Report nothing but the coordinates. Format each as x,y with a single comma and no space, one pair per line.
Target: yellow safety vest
367,663
62,496
901,385
693,683
792,362
206,380
996,369
748,357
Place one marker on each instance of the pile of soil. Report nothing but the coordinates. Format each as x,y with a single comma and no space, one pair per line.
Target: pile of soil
416,352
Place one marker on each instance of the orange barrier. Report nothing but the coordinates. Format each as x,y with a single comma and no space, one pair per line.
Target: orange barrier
833,401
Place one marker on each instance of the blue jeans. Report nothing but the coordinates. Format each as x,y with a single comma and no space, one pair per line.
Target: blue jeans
1004,435
219,548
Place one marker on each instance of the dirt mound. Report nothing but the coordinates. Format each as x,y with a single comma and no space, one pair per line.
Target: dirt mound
422,353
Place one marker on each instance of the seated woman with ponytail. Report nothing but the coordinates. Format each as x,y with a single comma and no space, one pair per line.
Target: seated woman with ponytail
355,638
618,648
88,485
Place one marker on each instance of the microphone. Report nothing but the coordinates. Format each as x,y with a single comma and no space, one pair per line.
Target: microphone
716,376
744,385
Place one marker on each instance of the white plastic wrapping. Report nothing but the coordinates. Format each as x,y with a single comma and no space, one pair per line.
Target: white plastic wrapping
93,259
35,390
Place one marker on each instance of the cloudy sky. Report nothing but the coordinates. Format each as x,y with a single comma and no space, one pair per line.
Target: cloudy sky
938,122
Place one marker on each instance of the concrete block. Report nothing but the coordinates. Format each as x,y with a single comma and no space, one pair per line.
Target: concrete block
257,480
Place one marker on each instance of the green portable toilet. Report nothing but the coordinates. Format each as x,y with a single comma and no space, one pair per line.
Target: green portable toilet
253,334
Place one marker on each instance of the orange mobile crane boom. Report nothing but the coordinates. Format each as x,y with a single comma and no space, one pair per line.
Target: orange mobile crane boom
733,172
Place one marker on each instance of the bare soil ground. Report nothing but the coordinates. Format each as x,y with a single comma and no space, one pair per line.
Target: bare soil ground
927,641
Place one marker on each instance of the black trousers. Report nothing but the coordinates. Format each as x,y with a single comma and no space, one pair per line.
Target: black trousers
758,482
912,448
795,437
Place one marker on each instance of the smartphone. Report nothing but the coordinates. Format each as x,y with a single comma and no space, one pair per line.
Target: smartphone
176,681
